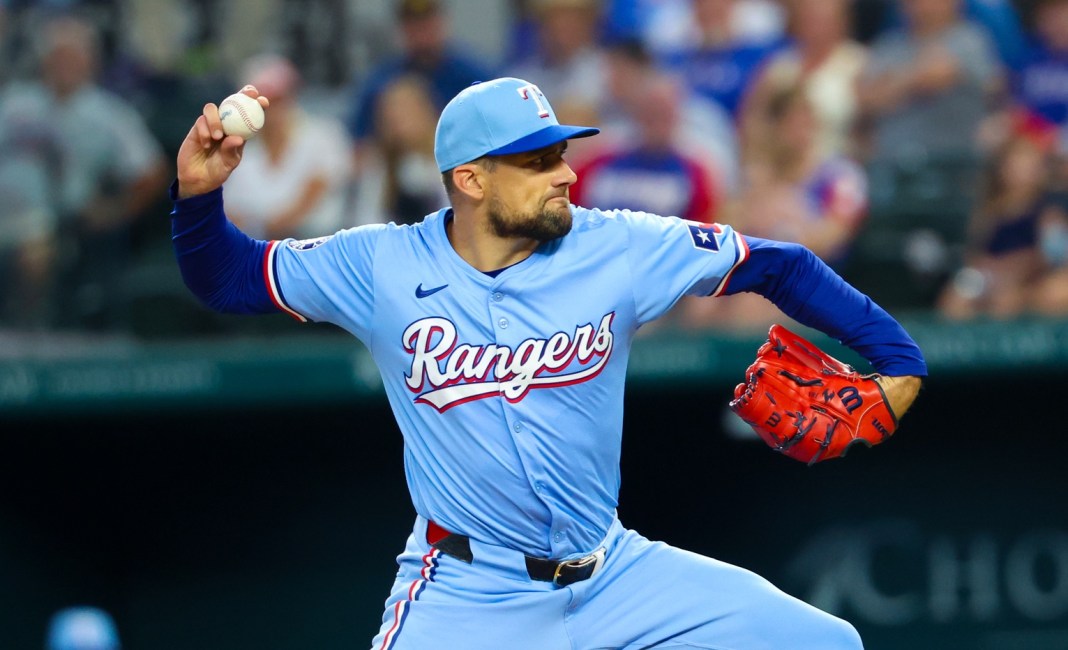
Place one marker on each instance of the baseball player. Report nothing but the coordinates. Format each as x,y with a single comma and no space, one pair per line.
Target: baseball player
502,326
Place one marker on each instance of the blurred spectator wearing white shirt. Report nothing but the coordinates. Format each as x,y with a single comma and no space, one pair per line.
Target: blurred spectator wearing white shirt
293,178
77,160
826,60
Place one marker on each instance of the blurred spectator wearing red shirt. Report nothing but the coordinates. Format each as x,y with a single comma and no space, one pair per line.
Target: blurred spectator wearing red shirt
1040,83
651,175
705,130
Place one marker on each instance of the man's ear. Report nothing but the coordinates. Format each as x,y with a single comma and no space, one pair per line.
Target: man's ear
470,181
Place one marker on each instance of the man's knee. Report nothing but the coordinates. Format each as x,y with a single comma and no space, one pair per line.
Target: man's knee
841,635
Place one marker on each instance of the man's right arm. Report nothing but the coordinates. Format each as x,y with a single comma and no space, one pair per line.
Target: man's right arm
221,265
329,279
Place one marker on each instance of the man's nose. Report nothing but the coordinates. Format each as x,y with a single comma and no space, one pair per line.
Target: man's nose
565,175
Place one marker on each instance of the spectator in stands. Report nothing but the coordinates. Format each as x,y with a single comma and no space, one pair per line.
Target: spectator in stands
293,179
1050,294
826,60
999,18
568,63
1040,84
402,182
664,25
795,192
704,131
80,161
425,52
925,87
717,62
1004,260
798,192
651,174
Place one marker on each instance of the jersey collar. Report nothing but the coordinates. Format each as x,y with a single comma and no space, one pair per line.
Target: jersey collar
440,242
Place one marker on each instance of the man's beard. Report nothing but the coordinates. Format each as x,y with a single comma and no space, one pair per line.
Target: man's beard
544,225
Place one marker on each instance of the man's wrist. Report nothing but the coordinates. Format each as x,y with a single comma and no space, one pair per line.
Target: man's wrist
187,190
185,202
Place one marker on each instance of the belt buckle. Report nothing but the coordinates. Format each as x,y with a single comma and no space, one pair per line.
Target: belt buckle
596,559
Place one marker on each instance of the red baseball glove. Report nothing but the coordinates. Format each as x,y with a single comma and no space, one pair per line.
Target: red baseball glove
808,405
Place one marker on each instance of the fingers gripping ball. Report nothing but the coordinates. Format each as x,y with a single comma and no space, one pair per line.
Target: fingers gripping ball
808,405
241,115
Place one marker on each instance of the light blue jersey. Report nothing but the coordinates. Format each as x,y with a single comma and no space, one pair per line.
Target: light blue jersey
508,389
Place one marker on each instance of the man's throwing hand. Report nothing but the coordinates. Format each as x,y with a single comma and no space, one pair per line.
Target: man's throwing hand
208,156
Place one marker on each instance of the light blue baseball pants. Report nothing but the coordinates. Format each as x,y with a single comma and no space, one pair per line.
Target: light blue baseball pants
646,595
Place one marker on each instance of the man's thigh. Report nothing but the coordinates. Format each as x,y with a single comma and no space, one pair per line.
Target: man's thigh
652,595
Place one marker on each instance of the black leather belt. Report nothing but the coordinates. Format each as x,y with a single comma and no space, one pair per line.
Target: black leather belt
560,573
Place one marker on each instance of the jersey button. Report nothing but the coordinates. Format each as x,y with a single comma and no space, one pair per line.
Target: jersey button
558,537
503,323
539,487
518,426
498,296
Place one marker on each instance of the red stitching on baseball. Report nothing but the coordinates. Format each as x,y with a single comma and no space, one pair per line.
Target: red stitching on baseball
244,116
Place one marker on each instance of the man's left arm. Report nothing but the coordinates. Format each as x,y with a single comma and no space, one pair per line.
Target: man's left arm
810,292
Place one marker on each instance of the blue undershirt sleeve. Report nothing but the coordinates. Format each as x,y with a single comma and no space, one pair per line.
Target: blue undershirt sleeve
810,292
221,265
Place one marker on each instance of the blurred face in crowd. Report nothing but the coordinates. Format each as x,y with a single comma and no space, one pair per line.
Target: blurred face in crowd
713,15
277,79
425,35
624,75
69,60
1051,21
405,115
796,126
1023,165
930,14
657,114
566,27
815,22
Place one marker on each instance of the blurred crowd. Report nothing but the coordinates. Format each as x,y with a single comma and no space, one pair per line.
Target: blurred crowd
920,147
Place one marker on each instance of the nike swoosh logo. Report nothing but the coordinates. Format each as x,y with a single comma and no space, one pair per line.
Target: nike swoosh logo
420,292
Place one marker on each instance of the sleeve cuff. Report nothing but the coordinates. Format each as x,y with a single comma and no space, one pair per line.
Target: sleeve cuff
195,204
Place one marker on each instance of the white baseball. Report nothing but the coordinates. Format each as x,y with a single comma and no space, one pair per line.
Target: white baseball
241,115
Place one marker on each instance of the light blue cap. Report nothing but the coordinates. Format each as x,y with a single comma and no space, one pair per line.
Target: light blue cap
82,628
497,117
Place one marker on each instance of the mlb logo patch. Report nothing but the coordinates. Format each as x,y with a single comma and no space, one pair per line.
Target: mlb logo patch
704,236
308,244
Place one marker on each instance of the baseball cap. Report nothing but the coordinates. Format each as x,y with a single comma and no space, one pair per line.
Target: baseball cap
497,117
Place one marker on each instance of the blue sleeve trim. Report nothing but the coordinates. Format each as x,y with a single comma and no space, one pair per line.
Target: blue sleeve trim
221,265
810,292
